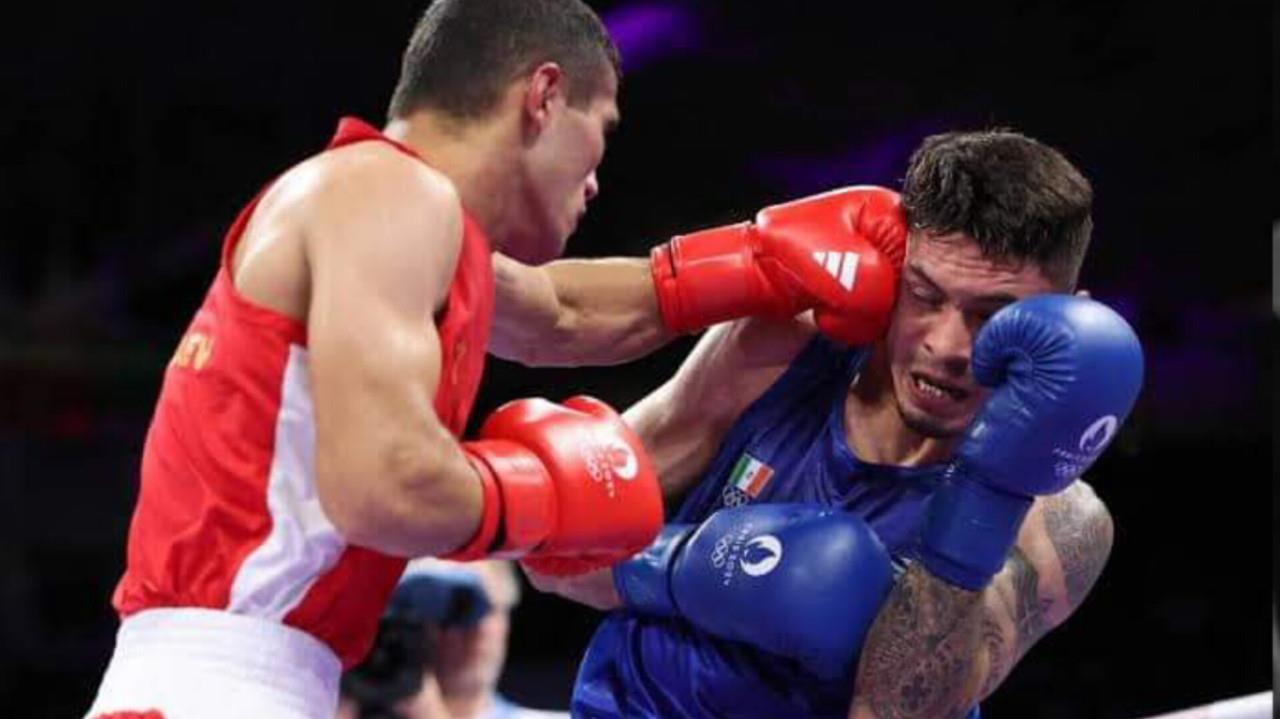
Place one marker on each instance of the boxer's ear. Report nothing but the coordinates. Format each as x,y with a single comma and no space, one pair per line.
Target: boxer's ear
544,86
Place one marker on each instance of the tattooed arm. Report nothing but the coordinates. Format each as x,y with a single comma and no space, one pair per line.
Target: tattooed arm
936,650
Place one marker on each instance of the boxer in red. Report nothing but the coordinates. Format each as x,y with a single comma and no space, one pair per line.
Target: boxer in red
306,437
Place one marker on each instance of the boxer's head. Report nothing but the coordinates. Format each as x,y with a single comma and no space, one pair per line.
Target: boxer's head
470,659
993,217
534,83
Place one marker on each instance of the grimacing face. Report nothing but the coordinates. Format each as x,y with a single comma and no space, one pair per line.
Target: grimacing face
947,291
561,169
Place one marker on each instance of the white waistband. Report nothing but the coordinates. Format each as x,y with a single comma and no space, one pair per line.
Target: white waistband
189,662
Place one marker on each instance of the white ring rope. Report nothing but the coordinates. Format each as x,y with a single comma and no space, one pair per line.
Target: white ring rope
1253,706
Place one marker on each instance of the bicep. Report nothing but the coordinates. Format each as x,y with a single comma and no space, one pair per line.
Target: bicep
379,263
1061,551
527,311
1081,533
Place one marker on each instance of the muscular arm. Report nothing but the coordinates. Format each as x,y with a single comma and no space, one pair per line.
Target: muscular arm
683,422
936,650
382,235
575,312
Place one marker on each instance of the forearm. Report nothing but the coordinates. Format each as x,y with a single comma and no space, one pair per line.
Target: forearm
406,497
612,309
576,312
936,650
593,589
921,656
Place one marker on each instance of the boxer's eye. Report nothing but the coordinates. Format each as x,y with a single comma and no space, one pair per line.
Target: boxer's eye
926,297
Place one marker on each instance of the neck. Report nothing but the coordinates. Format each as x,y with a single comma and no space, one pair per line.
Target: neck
478,158
469,704
874,426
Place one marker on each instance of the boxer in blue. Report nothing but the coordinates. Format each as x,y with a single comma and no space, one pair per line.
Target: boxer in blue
880,531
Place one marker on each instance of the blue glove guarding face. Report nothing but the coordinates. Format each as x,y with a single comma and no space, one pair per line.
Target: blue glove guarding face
1066,372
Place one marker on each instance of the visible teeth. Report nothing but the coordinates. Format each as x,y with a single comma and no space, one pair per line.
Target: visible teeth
930,388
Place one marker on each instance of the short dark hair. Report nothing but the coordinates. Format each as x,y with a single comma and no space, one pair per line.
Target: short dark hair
1018,198
463,53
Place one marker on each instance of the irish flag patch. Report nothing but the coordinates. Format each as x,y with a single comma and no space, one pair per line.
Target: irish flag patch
750,475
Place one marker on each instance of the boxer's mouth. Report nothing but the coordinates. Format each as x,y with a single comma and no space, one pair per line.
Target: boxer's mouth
932,386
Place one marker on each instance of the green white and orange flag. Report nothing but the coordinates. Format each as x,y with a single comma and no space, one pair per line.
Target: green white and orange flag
750,475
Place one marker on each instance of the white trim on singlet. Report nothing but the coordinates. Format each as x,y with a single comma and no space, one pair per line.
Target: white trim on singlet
303,543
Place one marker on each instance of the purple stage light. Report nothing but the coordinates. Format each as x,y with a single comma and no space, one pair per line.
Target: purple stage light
646,32
879,162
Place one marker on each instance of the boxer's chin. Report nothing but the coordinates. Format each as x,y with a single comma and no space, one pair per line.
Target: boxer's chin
927,425
556,238
931,424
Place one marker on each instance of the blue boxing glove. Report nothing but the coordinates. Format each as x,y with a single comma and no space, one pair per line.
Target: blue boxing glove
1066,372
801,581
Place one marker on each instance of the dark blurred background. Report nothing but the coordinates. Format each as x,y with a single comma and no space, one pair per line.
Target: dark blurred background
133,132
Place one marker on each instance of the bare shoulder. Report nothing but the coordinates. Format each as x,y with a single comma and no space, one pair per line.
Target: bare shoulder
371,207
683,421
376,175
755,342
395,206
735,362
771,342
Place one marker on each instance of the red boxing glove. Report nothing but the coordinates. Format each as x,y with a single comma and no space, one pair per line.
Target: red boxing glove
838,253
569,484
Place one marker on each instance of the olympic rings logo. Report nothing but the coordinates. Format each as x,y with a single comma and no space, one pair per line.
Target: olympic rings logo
733,497
609,457
720,553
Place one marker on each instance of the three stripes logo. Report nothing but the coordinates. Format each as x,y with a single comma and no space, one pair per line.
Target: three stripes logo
843,266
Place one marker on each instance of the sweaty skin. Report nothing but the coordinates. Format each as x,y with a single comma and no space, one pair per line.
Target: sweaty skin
361,244
960,645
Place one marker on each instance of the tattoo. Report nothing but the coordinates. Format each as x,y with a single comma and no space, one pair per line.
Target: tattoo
1016,617
997,656
918,655
1029,610
918,658
1080,530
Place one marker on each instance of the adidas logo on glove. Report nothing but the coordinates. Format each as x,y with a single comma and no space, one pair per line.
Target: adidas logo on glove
841,265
